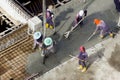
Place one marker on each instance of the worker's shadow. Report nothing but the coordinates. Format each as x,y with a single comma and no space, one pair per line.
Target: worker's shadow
96,56
62,16
88,3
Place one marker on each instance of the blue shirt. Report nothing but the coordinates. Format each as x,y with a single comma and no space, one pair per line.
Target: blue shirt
49,16
82,56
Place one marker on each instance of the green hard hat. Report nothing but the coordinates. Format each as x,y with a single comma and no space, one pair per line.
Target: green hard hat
37,35
48,41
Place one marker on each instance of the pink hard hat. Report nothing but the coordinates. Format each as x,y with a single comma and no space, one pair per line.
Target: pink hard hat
82,48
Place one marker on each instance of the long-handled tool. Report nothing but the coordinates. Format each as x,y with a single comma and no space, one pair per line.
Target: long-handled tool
91,36
78,58
66,34
73,56
95,32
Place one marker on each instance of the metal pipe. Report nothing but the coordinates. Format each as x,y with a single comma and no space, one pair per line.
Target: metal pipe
44,17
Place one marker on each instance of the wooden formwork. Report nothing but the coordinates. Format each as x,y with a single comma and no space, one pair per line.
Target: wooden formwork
13,59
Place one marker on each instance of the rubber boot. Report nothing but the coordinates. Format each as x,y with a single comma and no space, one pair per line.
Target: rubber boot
51,27
84,69
80,67
101,36
111,35
47,25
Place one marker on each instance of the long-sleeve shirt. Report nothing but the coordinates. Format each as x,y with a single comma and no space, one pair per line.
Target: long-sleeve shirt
38,41
49,17
78,18
102,26
83,56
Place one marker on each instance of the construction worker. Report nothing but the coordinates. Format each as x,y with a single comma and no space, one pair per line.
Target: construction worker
117,5
78,19
37,36
49,17
82,59
104,29
48,48
80,15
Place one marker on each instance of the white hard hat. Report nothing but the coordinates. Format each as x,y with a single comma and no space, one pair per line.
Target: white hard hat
50,7
81,12
37,35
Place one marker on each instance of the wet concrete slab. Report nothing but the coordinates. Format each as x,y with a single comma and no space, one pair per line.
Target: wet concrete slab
101,67
65,47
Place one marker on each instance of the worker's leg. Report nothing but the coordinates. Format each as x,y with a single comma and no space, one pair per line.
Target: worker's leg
47,25
52,50
80,65
111,34
101,34
51,27
44,58
84,66
34,45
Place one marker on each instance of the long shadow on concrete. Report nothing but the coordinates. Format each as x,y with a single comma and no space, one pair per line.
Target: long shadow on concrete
89,2
62,16
92,58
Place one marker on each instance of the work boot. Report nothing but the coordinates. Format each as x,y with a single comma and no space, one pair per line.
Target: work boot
80,67
84,69
51,27
101,36
111,35
47,25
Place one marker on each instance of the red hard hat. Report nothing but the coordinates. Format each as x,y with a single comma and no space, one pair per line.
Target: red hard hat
82,48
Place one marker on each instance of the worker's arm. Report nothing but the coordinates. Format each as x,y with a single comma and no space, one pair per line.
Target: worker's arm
76,57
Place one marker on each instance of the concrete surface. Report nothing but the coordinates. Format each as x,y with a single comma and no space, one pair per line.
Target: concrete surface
104,64
103,9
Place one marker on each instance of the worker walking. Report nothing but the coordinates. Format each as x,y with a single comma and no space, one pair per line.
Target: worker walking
48,47
78,20
49,18
82,59
104,29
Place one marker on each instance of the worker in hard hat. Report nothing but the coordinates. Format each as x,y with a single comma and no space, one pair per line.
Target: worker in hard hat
104,29
82,59
78,20
48,47
80,15
49,17
37,36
